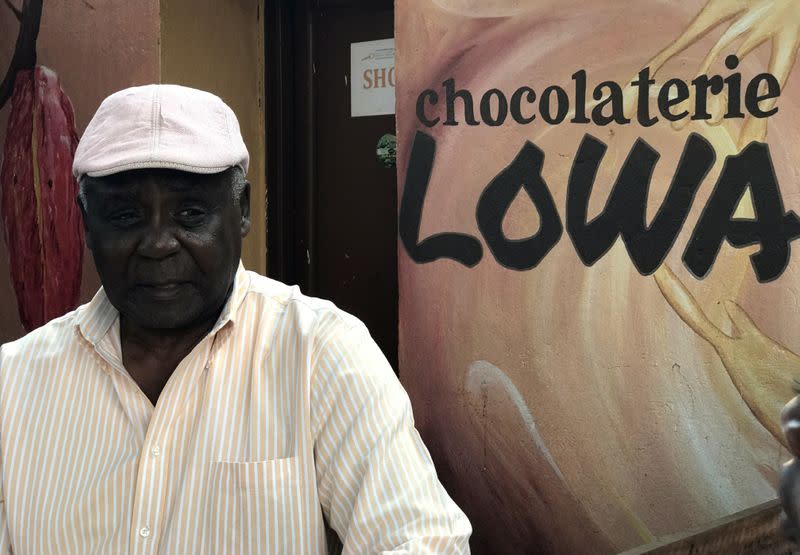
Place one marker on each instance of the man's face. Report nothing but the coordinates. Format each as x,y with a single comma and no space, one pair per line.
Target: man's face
166,243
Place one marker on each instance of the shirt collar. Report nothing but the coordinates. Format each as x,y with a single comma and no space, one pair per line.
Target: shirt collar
94,319
241,285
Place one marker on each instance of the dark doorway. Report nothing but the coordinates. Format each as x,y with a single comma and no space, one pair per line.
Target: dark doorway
332,205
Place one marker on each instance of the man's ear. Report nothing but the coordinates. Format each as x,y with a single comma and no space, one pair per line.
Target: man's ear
87,235
244,206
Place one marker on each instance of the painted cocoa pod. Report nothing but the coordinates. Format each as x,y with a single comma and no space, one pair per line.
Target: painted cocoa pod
41,221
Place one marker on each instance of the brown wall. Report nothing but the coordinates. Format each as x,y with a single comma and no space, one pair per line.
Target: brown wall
218,46
96,47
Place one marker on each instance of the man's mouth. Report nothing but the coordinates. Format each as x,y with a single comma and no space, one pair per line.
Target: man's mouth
163,290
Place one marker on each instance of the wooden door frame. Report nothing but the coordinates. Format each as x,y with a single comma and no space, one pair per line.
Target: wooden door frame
290,94
289,114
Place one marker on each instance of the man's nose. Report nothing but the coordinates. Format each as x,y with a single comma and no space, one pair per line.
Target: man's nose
159,240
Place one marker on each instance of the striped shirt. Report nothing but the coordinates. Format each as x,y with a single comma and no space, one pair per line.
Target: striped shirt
286,418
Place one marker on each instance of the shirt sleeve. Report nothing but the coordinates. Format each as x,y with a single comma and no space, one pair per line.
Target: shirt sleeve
376,480
5,539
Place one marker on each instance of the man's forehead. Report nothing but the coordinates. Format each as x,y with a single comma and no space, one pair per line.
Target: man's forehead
125,183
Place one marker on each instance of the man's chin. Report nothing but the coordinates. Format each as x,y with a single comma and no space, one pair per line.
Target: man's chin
165,315
163,321
170,308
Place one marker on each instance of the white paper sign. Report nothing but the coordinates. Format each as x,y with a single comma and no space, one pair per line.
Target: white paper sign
372,78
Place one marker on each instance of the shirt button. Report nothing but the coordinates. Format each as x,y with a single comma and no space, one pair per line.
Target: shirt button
144,532
156,451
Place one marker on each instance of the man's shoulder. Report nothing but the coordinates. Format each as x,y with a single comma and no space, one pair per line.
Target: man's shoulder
48,340
301,310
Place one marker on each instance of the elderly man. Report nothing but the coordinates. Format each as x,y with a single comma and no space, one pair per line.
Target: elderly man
193,406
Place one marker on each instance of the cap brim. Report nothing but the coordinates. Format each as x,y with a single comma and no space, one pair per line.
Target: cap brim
158,165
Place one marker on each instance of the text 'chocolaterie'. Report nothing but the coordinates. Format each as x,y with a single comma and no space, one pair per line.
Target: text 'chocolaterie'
607,102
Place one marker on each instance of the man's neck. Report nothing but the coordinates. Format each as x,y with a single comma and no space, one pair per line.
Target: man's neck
151,355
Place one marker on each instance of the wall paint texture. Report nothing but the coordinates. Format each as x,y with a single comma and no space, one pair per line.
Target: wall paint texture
96,47
219,47
576,407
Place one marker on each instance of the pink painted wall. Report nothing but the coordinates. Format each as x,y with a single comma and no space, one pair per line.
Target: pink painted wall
576,408
96,47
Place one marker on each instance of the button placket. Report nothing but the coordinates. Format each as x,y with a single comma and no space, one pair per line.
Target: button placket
149,512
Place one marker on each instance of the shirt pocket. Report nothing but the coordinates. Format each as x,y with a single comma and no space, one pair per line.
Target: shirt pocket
254,507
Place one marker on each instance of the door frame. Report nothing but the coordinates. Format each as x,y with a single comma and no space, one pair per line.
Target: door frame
290,96
289,114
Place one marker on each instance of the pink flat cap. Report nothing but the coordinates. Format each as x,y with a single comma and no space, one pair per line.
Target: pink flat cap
161,126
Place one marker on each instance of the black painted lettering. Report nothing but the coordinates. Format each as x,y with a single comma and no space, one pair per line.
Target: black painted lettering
643,109
625,211
486,108
614,100
525,172
772,228
562,105
463,248
434,98
516,104
580,97
753,98
702,85
734,85
451,95
666,101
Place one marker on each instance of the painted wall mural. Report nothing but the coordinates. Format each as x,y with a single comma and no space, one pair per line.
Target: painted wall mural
41,221
598,292
58,60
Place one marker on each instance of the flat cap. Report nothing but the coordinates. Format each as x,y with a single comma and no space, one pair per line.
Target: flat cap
161,126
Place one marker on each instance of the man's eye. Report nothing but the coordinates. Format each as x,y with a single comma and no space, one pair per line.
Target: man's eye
126,218
191,215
